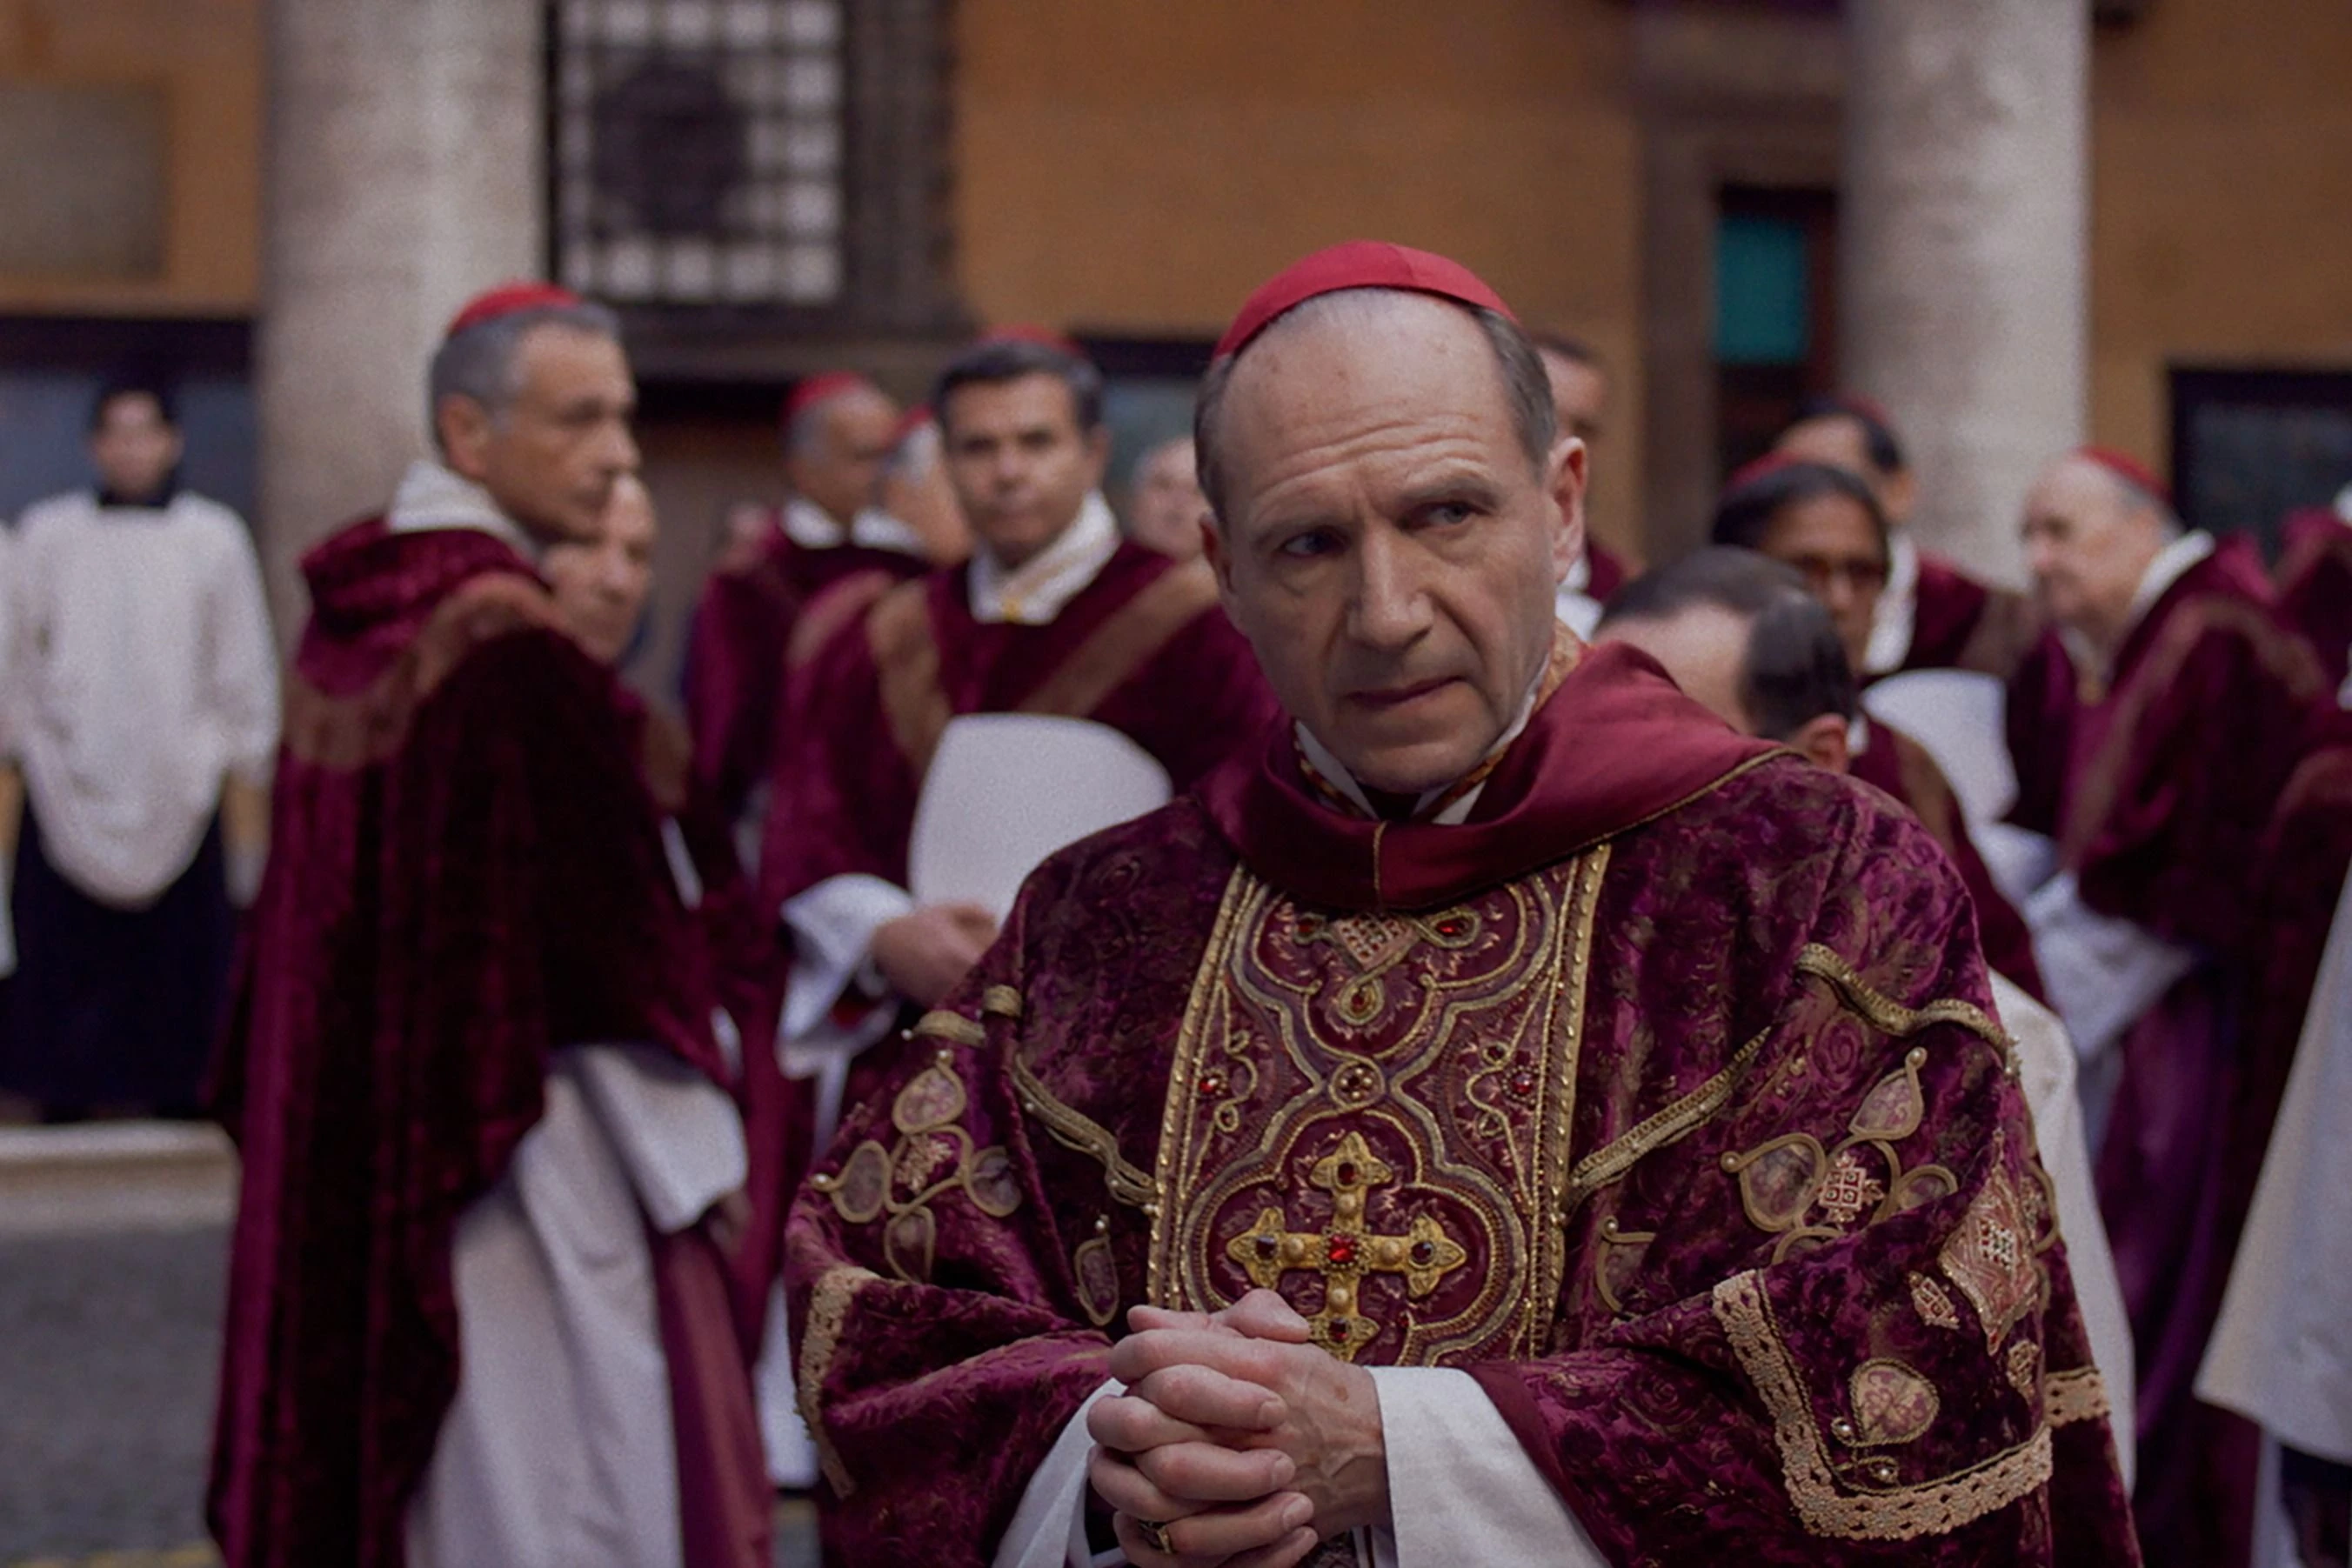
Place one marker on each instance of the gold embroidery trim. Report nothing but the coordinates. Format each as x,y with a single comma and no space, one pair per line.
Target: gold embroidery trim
1897,1513
1001,1001
2079,1393
828,1309
1075,1129
953,1028
1887,1015
1205,981
1677,1121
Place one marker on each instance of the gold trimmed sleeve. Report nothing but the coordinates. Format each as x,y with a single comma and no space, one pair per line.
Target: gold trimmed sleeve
828,1310
1894,1513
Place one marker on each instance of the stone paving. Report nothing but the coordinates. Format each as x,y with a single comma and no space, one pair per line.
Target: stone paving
108,1355
107,1350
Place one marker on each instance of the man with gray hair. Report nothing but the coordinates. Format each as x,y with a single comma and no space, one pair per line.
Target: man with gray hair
477,1311
2156,730
1506,1116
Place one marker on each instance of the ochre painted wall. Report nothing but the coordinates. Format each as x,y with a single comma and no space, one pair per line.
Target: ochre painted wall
208,55
2221,192
1136,167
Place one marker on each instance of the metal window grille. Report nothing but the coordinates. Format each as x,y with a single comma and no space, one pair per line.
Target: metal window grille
699,150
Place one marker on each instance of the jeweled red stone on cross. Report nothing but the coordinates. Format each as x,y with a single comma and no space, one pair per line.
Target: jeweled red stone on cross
1346,1173
1340,1249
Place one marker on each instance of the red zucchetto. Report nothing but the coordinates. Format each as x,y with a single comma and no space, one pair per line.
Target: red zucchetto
810,390
511,299
2128,469
1358,263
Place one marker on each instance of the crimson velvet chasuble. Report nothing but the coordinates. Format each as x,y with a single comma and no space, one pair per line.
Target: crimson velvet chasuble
1661,1096
1142,648
466,871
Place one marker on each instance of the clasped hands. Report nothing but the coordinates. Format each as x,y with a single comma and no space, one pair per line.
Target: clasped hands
1246,1442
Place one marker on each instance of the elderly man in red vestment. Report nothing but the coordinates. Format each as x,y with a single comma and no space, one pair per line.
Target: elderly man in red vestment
2314,583
1507,1116
839,431
2154,730
1932,616
476,1312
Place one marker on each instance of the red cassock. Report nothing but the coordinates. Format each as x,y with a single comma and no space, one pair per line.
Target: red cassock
1960,623
2315,586
1902,766
738,643
1144,648
1661,1096
2162,792
466,871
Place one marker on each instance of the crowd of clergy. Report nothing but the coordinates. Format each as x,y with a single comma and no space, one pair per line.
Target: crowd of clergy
1328,1019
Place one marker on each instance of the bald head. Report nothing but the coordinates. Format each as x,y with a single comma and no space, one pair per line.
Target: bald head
2090,536
1395,518
836,446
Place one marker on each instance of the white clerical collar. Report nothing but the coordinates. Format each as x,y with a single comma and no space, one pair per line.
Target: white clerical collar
431,497
1335,772
810,526
1897,616
2170,565
1039,589
1580,574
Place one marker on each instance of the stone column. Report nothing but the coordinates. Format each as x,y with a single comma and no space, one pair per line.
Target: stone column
1964,227
402,175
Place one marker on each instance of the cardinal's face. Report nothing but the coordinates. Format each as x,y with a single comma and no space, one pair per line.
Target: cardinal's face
550,457
834,463
2088,542
1391,552
1020,462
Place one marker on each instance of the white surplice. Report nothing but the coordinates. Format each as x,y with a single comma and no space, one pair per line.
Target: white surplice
145,676
559,1449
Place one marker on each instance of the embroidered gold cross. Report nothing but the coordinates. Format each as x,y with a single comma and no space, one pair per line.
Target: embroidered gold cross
1345,1252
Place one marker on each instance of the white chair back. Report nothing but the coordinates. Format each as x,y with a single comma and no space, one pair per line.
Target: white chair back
1957,716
